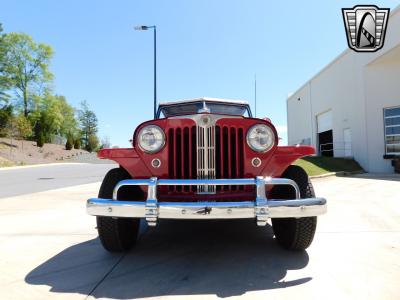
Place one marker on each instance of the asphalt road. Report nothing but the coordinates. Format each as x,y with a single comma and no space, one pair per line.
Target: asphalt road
49,250
31,179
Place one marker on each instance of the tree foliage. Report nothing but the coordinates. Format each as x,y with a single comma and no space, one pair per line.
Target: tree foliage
23,127
4,81
52,115
88,125
40,140
93,143
77,143
26,67
6,114
6,109
70,143
25,91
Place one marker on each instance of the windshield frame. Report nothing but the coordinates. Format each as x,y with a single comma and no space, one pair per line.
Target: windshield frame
244,106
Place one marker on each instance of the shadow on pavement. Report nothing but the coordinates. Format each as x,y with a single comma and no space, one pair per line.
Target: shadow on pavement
224,258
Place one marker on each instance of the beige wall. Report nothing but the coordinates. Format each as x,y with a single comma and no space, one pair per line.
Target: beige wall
299,115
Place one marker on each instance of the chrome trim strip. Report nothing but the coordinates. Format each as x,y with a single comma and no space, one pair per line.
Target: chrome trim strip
206,152
309,207
260,208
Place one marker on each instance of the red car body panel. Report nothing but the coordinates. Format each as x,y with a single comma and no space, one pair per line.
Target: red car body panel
283,156
138,163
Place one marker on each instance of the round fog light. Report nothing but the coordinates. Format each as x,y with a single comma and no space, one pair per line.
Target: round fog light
156,163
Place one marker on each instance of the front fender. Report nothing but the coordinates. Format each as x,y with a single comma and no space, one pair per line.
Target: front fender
283,157
128,159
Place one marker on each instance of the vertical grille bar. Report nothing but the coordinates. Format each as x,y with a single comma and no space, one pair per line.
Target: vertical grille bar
240,159
190,155
178,156
206,152
230,150
229,154
182,158
233,164
194,156
171,154
185,156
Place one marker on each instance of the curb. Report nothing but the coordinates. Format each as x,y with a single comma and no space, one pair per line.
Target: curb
41,165
337,174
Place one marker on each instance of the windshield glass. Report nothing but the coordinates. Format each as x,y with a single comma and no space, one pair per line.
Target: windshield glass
198,107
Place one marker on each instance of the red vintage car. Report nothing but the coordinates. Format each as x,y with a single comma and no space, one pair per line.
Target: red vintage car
206,159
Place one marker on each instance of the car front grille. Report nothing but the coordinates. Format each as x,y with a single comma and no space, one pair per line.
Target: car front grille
206,152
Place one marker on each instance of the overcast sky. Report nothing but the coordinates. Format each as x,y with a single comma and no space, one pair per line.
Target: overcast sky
205,48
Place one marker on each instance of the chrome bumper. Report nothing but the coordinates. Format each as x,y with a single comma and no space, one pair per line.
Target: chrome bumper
260,209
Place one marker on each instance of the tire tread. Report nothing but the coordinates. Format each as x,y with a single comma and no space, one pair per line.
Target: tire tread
294,233
116,234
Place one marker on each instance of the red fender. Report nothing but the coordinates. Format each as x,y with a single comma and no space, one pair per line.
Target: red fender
128,159
283,157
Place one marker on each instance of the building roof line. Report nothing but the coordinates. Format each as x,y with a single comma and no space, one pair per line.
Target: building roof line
343,53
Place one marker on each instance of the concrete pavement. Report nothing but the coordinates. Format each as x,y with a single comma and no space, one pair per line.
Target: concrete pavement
49,250
31,179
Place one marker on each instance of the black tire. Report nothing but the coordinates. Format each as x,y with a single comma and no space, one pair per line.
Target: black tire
294,233
117,234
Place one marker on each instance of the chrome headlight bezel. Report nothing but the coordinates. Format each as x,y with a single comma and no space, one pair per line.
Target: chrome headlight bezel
145,148
270,132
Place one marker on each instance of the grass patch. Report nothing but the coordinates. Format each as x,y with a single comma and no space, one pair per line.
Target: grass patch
5,163
318,165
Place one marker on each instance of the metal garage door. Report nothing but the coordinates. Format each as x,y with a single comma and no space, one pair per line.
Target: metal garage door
325,133
324,121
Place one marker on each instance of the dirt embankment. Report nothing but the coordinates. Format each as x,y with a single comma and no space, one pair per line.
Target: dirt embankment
13,152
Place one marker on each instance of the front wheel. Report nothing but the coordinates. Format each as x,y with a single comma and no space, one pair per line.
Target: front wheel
117,234
294,233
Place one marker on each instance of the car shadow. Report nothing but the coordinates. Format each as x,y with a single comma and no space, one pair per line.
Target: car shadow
225,258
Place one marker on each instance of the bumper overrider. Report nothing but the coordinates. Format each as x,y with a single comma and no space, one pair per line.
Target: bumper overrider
260,209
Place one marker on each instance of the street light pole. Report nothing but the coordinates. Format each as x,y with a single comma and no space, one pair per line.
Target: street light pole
142,27
155,71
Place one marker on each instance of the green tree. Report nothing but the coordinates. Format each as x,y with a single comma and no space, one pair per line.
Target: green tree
26,66
23,128
69,124
40,140
4,80
6,114
93,143
52,115
6,110
47,116
77,143
88,124
70,143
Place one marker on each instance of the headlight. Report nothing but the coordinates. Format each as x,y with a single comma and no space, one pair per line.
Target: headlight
151,139
260,138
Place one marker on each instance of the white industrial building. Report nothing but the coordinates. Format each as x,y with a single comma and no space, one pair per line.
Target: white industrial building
351,108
